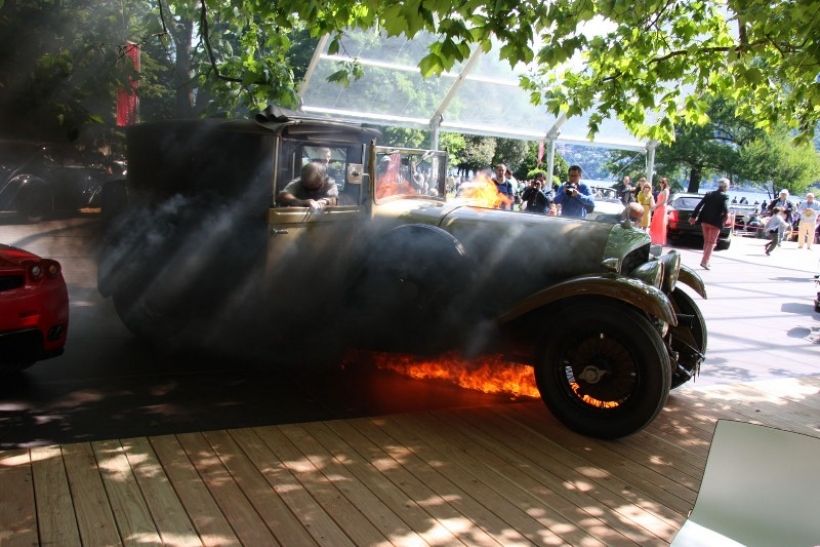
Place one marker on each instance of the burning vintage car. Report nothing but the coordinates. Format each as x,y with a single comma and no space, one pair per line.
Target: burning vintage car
203,253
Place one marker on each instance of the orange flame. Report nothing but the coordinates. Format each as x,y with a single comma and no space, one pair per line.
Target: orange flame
390,181
491,375
592,401
482,192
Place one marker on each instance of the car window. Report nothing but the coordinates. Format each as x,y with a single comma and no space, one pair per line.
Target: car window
685,202
408,173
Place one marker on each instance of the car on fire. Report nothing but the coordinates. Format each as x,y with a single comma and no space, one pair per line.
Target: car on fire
204,254
33,309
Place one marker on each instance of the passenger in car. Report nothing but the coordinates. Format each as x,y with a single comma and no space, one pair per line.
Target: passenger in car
311,189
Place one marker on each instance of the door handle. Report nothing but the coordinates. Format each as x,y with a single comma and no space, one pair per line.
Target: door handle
279,231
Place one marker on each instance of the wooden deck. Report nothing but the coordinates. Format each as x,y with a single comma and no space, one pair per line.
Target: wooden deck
503,475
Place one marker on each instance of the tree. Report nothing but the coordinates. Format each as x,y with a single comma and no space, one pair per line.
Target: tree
775,162
478,154
649,55
510,152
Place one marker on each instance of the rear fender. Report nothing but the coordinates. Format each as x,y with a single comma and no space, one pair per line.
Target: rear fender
688,276
630,291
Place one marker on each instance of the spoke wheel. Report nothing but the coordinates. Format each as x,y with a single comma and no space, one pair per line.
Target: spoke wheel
689,340
604,370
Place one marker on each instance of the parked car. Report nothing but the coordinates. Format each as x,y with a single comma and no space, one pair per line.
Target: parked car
203,254
608,204
681,207
39,180
33,309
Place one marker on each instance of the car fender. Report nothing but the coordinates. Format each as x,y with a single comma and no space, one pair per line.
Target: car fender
631,291
688,276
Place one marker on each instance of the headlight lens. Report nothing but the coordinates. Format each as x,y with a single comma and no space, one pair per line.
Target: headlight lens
671,268
650,273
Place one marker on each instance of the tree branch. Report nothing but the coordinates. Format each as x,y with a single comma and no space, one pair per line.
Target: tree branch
203,29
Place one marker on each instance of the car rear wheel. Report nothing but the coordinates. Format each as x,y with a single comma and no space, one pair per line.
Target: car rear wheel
604,371
688,338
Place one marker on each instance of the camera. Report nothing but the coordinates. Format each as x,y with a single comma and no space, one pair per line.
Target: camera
570,189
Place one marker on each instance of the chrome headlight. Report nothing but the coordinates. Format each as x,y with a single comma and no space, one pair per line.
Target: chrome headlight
671,268
650,273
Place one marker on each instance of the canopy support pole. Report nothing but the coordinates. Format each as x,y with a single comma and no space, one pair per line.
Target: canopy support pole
650,160
552,137
311,68
435,127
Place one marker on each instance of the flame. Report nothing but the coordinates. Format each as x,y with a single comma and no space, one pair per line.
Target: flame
490,375
391,182
482,192
592,401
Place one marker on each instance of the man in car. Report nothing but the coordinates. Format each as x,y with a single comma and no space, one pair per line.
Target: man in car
574,196
311,189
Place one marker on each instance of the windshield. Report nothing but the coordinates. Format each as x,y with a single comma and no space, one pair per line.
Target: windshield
685,202
404,172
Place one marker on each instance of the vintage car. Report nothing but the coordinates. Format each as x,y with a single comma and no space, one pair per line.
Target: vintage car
39,180
33,309
203,254
681,207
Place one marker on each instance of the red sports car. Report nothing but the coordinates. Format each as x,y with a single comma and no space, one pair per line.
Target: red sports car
33,309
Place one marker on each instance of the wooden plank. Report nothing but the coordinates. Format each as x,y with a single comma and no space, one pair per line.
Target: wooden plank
172,522
542,455
94,516
671,494
355,525
18,514
380,515
130,511
274,512
316,521
470,482
494,448
210,523
436,476
564,518
55,510
243,518
444,514
424,524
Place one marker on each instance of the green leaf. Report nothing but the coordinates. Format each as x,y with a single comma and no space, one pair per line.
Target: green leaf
340,76
431,65
333,48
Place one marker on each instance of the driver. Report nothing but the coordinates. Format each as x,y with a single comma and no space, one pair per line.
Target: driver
312,189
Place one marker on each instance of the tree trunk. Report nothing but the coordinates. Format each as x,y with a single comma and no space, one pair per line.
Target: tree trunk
695,175
183,76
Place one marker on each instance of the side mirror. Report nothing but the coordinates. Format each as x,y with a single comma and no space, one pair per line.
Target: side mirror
355,173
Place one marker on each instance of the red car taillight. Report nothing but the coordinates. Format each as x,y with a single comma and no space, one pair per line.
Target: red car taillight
44,268
673,216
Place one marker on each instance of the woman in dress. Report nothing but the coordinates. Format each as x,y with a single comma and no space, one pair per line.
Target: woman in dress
657,229
647,201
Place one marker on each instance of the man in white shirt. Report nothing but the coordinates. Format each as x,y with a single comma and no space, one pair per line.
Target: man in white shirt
808,221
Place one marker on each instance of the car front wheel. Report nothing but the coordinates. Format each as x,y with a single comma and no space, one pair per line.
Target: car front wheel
604,370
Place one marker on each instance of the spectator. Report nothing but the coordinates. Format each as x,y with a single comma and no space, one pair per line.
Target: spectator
574,196
773,228
628,193
534,199
647,201
808,222
503,186
713,213
657,227
788,207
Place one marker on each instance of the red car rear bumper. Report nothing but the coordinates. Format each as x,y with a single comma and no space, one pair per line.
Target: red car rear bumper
34,321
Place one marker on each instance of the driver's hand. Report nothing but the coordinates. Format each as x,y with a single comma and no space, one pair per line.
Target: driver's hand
315,205
692,220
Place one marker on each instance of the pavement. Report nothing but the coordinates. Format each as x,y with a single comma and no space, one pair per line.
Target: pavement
759,312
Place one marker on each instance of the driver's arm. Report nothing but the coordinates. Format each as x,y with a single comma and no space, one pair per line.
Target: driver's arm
287,199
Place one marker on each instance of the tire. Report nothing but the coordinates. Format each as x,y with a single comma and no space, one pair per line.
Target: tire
35,202
604,371
144,318
688,340
723,244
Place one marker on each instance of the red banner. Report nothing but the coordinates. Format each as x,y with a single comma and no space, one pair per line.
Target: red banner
127,98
